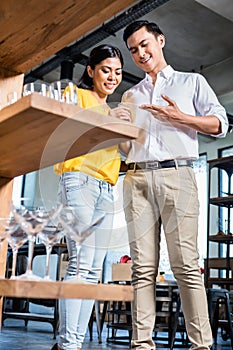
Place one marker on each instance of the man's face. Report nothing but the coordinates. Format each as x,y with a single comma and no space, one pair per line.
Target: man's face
147,50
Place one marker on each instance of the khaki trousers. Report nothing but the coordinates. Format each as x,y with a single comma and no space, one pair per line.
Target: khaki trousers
167,196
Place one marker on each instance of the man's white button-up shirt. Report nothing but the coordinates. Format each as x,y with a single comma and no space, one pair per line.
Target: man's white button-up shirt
159,140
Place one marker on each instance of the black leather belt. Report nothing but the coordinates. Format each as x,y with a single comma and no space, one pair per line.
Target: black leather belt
153,165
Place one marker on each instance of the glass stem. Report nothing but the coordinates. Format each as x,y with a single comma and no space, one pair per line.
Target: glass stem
48,254
31,242
14,261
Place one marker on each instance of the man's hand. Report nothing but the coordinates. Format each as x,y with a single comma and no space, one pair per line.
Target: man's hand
169,113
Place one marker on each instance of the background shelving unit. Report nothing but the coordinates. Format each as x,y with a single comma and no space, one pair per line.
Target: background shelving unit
223,266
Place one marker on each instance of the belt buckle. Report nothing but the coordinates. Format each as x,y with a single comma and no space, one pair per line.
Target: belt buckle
154,165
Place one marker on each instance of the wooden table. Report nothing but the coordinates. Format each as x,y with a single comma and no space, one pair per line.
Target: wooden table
36,132
58,290
44,292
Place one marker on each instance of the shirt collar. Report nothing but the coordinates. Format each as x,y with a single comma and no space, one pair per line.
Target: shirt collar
165,73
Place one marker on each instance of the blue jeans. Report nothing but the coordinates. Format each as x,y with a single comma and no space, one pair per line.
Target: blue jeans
92,197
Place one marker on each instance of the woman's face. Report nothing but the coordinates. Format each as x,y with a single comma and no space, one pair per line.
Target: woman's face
106,76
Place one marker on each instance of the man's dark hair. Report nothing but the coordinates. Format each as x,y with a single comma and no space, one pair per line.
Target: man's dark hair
133,27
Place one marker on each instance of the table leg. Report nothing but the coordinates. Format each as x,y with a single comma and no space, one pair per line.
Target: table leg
6,186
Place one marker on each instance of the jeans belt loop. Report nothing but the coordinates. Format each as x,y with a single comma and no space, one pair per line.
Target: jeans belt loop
134,168
176,164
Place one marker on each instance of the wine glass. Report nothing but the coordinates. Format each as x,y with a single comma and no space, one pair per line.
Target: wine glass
42,88
32,221
49,236
16,238
75,229
65,91
14,235
3,233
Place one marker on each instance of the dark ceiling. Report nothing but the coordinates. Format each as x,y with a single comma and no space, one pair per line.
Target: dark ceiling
198,38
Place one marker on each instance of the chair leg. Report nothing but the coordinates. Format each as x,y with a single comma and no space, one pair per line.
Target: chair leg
228,315
90,324
215,323
98,320
56,320
176,320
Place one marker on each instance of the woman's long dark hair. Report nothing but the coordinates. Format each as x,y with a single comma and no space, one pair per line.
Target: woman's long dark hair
97,55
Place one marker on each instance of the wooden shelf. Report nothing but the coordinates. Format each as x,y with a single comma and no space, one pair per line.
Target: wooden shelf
225,163
28,315
36,132
226,238
222,201
32,32
59,290
220,281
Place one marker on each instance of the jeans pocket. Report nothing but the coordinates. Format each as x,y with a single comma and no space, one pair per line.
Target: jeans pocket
74,182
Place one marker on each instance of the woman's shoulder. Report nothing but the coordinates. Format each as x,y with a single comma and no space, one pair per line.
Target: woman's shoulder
84,92
85,98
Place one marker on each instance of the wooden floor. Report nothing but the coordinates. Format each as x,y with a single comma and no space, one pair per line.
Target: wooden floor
39,336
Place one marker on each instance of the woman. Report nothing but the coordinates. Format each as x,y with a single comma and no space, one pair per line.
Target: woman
86,183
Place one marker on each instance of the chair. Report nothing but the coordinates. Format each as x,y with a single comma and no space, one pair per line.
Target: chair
99,317
119,313
179,323
220,313
169,316
119,319
217,269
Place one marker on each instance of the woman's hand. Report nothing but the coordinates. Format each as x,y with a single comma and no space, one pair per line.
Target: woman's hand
121,112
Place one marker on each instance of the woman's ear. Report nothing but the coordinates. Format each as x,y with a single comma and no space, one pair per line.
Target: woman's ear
90,71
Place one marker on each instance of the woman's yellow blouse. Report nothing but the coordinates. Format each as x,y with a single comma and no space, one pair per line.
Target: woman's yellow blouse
103,164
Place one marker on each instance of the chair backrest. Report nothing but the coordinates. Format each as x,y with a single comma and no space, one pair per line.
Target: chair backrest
218,270
219,264
121,272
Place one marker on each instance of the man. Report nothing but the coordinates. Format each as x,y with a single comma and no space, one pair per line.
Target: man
160,187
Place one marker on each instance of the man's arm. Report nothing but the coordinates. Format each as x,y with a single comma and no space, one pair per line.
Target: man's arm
173,115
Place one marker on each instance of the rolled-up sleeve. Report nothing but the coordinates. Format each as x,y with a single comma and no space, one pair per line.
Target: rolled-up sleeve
206,103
